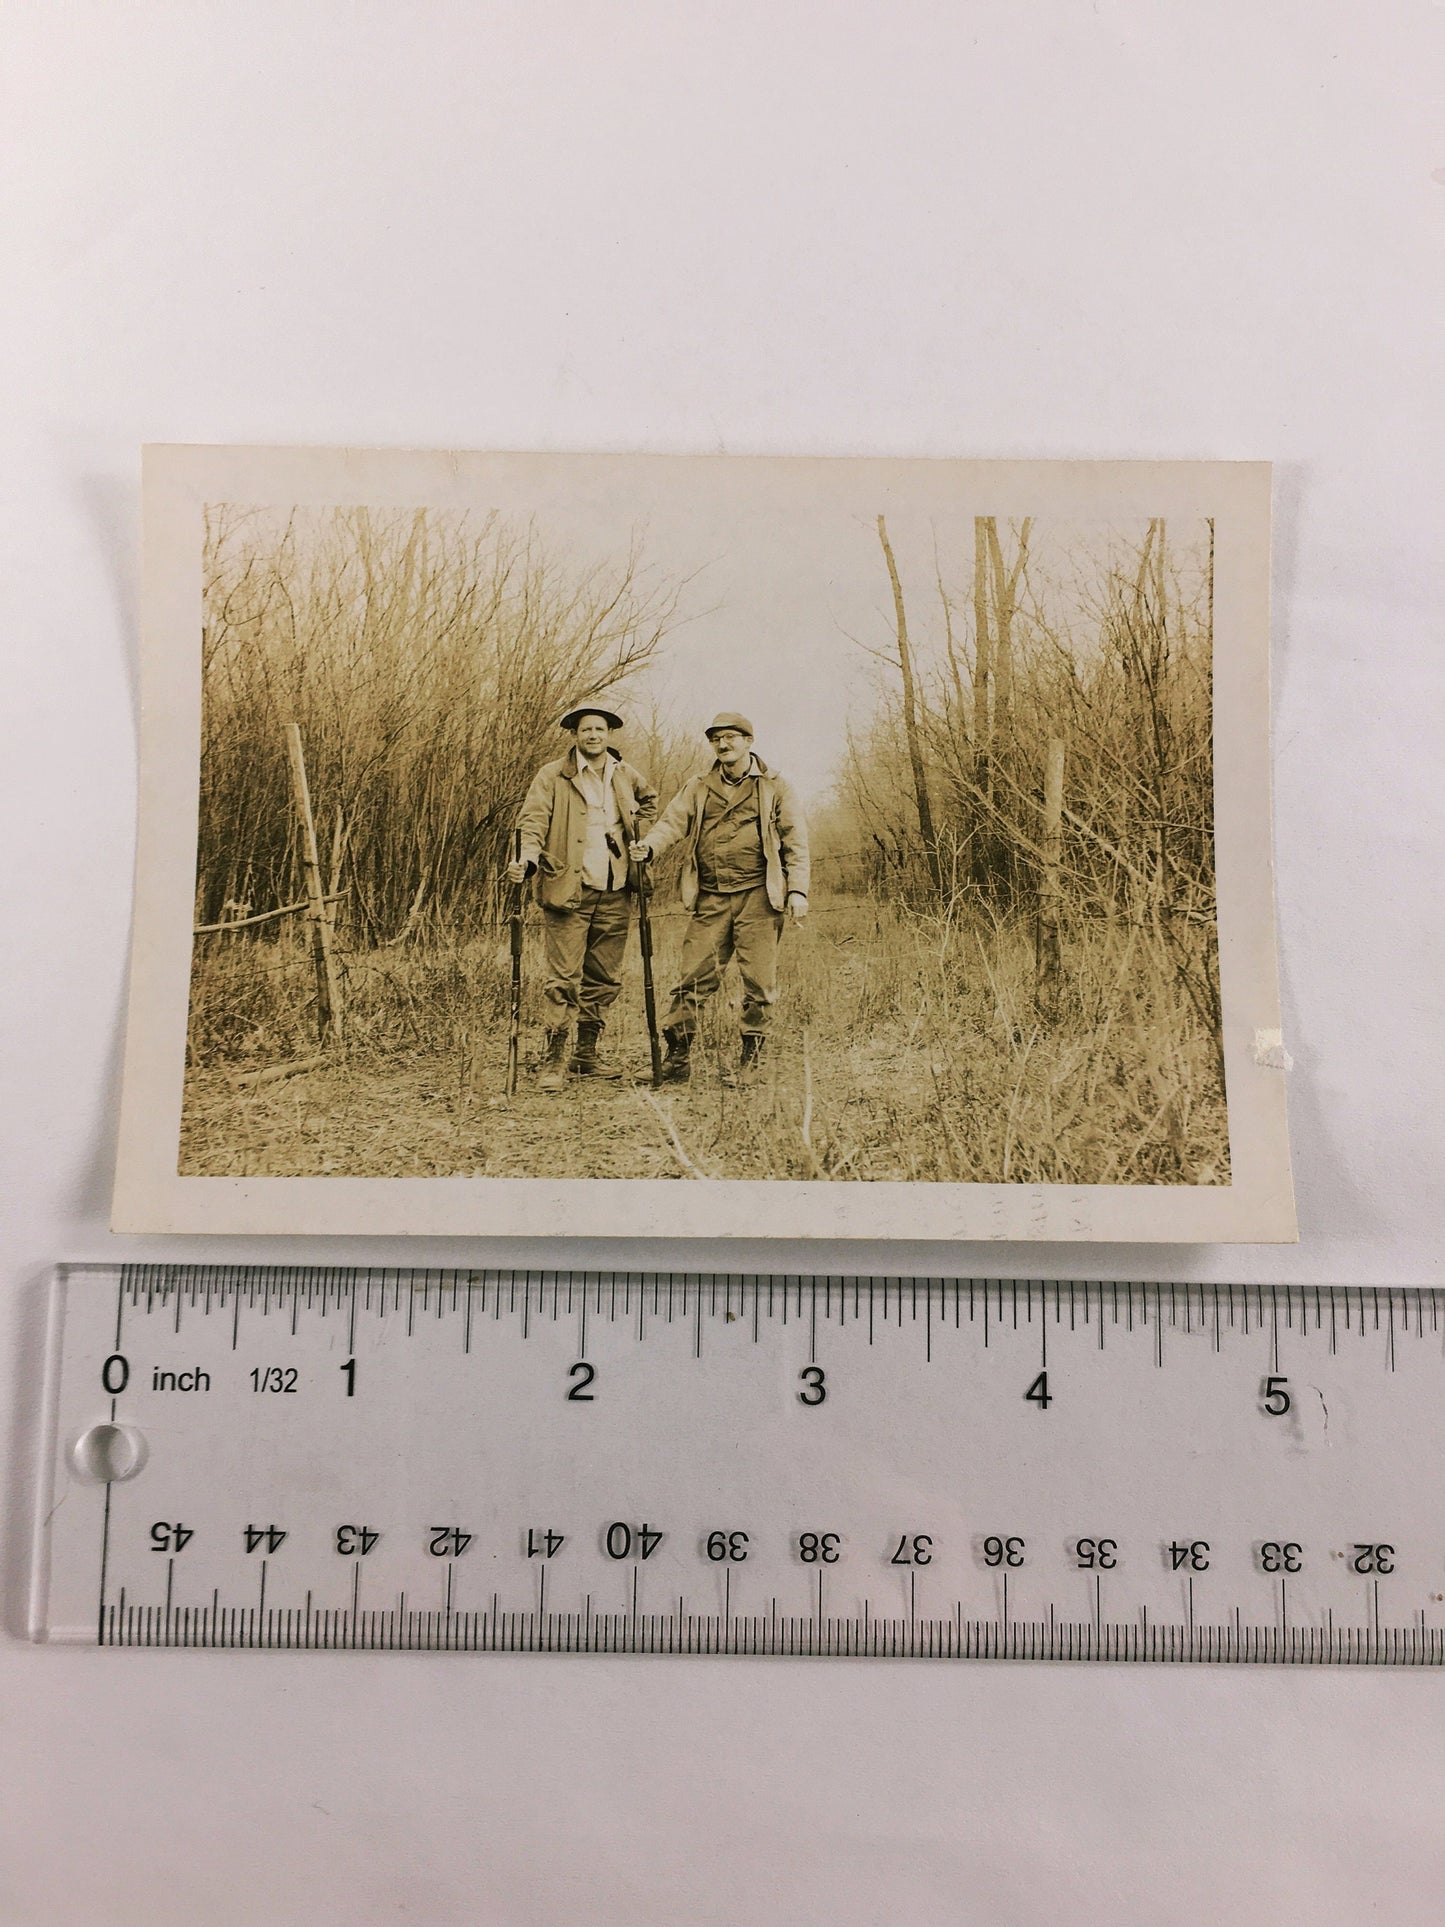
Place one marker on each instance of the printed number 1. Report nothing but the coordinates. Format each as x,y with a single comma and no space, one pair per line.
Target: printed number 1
350,1370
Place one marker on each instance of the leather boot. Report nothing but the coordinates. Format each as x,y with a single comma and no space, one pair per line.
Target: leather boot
677,1065
585,1061
749,1063
553,1074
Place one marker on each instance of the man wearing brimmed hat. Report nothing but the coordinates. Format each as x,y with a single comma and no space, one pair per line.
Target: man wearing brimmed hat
745,868
578,818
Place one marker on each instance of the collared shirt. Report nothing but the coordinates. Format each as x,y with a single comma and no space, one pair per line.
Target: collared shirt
730,853
601,870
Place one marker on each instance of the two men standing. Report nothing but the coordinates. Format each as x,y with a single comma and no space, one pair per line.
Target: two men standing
745,869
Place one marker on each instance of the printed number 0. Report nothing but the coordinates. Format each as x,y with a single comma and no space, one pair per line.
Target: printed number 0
816,1384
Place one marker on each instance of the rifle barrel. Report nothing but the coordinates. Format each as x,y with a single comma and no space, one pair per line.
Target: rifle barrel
649,995
514,1010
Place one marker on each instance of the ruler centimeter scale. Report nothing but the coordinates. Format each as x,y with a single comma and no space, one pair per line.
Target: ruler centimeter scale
499,1461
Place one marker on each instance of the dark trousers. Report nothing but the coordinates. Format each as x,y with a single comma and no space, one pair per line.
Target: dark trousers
728,924
585,947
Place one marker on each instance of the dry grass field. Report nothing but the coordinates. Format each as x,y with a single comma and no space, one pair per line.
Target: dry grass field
906,1047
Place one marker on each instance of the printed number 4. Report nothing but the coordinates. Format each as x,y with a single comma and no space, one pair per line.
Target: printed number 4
1038,1392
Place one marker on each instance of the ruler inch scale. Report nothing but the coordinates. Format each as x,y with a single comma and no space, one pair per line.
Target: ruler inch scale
607,1462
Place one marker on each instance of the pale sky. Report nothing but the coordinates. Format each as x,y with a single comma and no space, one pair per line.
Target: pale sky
786,566
784,583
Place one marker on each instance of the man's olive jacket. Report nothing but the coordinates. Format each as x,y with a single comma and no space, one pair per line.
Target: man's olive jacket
553,823
785,833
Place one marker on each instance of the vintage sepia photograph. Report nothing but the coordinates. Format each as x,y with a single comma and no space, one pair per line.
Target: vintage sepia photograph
722,823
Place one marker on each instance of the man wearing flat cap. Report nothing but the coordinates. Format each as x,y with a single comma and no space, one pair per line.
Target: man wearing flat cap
744,870
579,816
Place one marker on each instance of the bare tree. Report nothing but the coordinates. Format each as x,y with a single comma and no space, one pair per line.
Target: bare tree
1005,590
982,656
1123,679
910,720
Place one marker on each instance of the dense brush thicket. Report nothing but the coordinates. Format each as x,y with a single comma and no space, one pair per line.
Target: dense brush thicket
426,659
943,793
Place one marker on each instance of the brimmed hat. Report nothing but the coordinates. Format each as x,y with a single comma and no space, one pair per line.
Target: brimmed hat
729,720
575,715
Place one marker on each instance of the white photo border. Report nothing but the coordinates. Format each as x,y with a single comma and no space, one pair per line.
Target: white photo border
1257,1205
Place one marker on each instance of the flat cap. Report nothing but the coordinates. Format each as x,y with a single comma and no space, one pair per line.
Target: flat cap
729,719
579,710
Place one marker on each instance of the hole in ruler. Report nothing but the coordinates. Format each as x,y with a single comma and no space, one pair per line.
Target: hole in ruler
107,1453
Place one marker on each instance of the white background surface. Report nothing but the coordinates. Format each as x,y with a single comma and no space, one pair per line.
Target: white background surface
1119,229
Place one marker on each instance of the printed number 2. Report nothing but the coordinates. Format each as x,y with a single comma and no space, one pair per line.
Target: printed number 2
815,1383
584,1374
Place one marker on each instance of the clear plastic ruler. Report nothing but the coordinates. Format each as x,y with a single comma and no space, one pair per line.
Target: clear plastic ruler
625,1463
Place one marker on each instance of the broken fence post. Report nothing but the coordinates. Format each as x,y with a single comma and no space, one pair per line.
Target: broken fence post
318,914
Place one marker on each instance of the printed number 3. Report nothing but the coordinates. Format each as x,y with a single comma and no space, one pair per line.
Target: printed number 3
815,1385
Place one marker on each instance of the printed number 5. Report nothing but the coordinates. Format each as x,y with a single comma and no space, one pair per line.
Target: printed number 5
816,1386
1274,1397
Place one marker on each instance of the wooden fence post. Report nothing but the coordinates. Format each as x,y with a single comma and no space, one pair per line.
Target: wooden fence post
1046,944
318,913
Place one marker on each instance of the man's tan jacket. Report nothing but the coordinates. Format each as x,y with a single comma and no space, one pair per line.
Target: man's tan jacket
553,822
785,833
